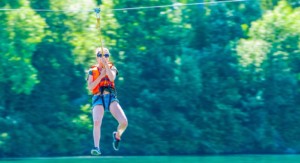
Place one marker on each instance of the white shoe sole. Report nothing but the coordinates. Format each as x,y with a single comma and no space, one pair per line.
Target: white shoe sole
95,153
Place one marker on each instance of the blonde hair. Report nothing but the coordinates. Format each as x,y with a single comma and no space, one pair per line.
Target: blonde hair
99,49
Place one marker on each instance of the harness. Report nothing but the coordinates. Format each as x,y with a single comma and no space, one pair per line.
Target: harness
104,85
111,91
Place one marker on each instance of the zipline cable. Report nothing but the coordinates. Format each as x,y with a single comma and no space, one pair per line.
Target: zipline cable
130,8
177,5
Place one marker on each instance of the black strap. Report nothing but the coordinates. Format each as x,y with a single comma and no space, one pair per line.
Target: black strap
102,96
109,101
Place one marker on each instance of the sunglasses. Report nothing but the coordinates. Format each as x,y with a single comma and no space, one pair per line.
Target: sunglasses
100,55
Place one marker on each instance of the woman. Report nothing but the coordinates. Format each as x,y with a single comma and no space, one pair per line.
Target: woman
101,83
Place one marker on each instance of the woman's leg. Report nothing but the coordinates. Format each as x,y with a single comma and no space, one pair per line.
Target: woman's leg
98,113
120,116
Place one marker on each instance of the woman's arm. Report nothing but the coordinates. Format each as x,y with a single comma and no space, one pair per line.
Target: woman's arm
92,84
111,73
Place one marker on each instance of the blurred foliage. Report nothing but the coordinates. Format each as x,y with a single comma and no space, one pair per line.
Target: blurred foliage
218,78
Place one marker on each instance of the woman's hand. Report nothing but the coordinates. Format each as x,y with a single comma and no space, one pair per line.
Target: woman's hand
104,62
103,71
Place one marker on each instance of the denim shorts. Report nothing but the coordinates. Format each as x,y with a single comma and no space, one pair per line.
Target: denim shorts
97,100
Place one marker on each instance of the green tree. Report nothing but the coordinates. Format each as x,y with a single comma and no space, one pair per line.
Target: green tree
269,56
219,118
17,74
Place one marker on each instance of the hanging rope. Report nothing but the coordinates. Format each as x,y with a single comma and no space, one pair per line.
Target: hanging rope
98,26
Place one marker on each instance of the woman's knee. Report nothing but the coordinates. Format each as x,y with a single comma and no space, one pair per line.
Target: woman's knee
124,123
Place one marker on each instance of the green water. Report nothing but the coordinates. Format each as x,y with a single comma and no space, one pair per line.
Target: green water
163,159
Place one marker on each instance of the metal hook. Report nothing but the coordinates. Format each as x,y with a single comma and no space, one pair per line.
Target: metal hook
97,10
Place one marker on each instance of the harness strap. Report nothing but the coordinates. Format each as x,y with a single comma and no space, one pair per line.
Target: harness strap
102,98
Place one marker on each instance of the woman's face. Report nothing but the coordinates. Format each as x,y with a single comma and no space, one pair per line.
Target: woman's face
105,55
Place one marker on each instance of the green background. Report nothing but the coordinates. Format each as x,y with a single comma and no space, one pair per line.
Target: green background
215,78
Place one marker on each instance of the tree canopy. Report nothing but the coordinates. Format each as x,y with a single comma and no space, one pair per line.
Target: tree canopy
212,78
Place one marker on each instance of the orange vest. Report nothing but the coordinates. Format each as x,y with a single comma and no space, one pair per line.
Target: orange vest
105,82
